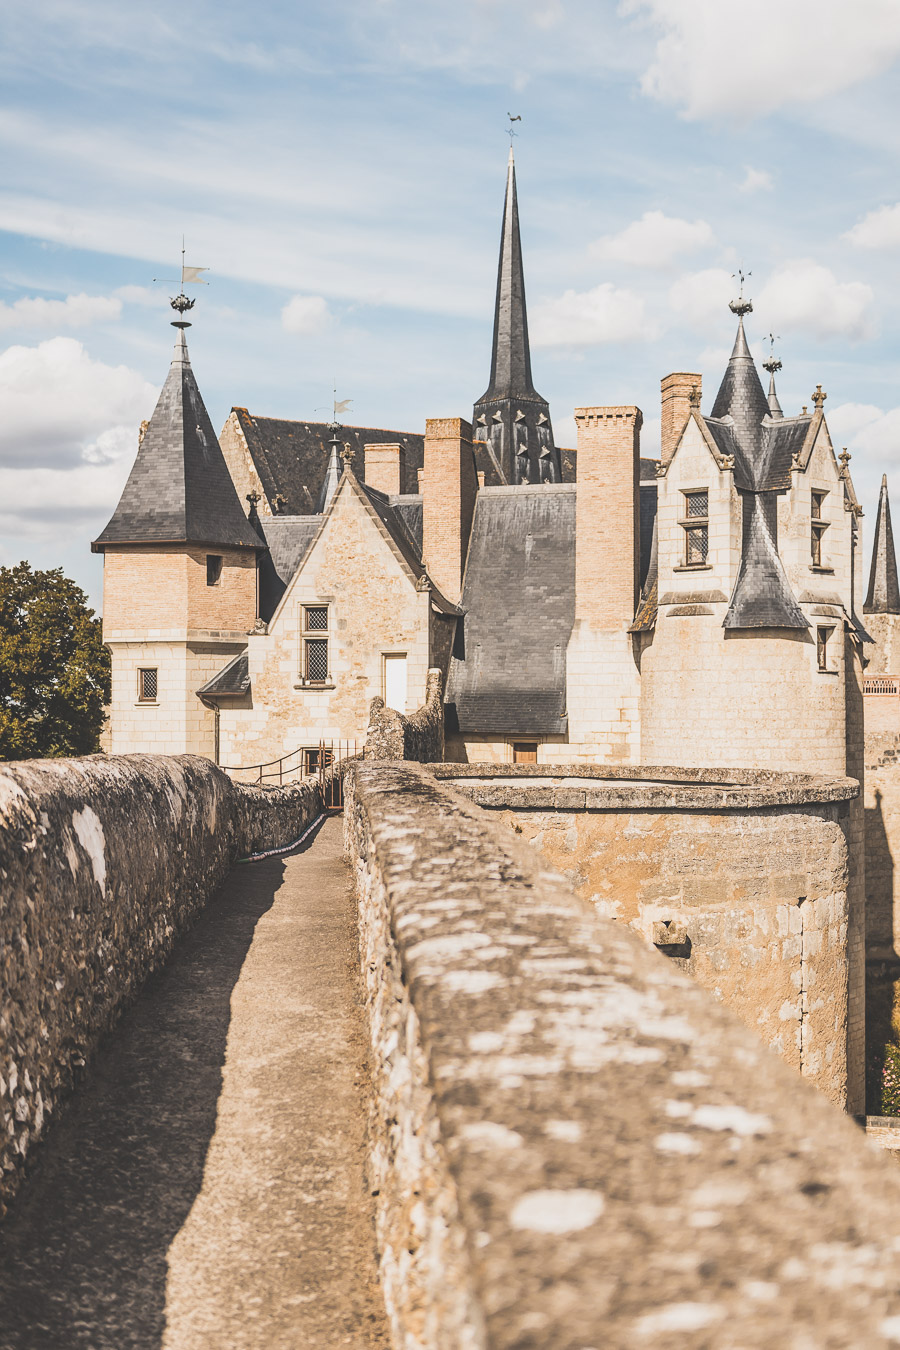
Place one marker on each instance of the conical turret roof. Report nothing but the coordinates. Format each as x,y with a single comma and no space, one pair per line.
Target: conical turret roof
741,395
179,490
884,593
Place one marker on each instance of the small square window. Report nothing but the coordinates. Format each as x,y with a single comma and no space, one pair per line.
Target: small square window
315,618
314,760
147,685
214,562
524,752
696,505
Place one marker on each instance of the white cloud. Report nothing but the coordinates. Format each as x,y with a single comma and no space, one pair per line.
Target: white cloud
655,240
806,296
305,314
589,318
701,298
60,409
714,57
74,312
879,229
756,180
867,429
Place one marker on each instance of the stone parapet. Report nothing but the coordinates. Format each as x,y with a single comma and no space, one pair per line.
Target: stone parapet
103,863
392,735
573,1144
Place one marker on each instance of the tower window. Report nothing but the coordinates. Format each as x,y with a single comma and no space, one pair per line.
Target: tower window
817,527
148,684
823,636
696,527
316,668
214,563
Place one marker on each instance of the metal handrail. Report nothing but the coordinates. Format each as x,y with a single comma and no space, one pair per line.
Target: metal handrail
327,759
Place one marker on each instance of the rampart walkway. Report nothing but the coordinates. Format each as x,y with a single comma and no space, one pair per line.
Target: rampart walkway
205,1189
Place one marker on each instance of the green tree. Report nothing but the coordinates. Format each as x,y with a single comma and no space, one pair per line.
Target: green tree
54,669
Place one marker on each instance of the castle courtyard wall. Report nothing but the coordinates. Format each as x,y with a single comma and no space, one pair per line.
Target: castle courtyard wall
742,882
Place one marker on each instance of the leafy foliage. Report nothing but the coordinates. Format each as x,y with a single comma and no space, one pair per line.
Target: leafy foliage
54,669
890,1082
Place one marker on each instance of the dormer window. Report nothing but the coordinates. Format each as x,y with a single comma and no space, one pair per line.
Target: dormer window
817,526
696,527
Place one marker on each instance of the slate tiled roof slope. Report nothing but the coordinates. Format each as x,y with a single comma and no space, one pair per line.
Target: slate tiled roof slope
233,679
288,539
508,674
741,425
291,458
179,489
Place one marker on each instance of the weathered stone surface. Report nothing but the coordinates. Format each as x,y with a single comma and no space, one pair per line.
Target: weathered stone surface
578,1146
392,735
103,862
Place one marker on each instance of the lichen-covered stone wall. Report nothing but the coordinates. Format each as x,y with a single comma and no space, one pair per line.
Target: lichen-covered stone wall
392,735
103,862
574,1144
743,884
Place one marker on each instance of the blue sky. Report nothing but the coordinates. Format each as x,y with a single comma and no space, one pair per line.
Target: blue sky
340,167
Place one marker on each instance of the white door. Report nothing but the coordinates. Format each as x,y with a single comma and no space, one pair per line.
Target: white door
395,681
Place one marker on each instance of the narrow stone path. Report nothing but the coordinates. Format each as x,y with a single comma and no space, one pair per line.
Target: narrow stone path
206,1190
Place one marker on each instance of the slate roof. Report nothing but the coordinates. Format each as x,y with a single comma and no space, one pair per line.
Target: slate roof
883,596
508,671
289,539
231,680
179,489
741,424
291,458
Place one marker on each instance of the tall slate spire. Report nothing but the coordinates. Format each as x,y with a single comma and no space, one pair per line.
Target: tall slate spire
775,409
179,490
511,416
884,592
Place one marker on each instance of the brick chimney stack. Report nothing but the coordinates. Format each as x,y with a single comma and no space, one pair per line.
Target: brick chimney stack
607,516
448,501
385,468
676,407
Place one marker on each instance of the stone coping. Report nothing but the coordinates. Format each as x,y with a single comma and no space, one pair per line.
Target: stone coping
575,1145
609,787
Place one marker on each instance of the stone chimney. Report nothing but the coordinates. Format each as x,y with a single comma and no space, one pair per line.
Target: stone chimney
607,516
676,407
385,468
602,679
448,501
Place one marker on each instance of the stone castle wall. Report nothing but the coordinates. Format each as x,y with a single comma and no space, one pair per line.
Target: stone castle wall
574,1145
391,735
104,862
742,882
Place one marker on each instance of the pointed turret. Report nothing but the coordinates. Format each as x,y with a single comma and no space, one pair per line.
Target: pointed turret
775,409
741,395
179,490
511,415
884,592
332,473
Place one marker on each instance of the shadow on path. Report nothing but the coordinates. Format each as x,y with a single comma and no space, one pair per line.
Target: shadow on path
83,1252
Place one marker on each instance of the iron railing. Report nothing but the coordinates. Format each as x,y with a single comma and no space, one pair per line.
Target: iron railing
324,761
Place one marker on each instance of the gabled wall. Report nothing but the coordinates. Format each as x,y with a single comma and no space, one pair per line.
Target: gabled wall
374,609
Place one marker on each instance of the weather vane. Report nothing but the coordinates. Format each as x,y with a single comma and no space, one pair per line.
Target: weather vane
190,276
772,364
510,130
741,306
338,407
